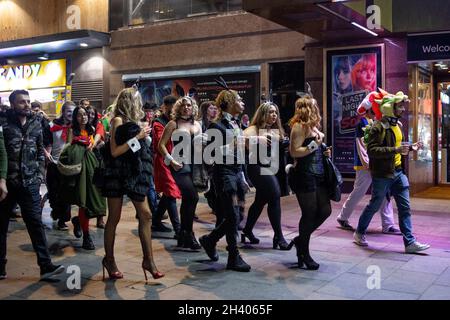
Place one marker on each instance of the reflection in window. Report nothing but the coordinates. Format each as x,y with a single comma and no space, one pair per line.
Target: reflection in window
425,118
135,12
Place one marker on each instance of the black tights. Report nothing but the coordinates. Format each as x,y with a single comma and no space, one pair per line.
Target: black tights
189,199
267,192
316,208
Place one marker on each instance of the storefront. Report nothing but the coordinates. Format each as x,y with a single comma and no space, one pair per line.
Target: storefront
199,84
349,55
45,80
55,68
429,59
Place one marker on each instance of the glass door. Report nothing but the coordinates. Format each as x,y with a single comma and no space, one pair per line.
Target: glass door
443,133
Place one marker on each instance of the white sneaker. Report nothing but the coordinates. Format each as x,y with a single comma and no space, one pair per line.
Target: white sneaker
416,247
360,239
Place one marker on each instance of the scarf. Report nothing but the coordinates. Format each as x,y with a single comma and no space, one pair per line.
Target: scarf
65,128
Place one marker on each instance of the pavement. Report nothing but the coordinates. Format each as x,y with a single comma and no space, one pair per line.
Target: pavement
381,271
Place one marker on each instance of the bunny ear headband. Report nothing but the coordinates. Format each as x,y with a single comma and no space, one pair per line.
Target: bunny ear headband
308,92
221,82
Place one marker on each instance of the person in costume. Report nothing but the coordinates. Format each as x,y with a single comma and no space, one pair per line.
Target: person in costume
387,157
78,187
363,179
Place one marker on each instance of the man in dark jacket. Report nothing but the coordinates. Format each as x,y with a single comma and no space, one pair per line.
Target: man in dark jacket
387,151
22,132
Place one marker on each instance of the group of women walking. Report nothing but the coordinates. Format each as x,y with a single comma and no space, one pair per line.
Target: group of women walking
135,154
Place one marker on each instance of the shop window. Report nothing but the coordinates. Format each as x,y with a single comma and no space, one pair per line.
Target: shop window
125,13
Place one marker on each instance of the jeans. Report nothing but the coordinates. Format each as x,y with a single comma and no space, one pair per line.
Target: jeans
362,183
399,187
152,198
169,204
29,200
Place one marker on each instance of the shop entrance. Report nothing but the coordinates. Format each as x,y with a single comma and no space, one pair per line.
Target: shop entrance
429,122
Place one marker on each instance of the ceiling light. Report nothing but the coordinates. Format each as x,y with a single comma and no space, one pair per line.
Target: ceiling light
364,28
84,45
45,56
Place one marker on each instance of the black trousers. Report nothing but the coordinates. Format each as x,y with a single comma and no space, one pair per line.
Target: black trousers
60,210
316,208
267,192
226,183
29,200
189,199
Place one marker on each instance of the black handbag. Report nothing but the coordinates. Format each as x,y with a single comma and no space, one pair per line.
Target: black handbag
200,177
334,180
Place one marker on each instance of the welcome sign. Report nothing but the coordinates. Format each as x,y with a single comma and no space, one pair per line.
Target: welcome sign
428,47
35,75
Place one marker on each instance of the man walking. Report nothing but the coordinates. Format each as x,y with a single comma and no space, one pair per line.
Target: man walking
387,153
22,132
363,180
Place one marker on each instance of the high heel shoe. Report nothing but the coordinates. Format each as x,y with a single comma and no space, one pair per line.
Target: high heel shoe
281,243
148,267
113,275
251,237
308,261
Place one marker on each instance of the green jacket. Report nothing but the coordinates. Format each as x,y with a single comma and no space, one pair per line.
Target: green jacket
381,150
3,157
80,189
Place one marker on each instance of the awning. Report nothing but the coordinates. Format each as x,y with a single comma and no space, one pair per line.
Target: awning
67,41
190,73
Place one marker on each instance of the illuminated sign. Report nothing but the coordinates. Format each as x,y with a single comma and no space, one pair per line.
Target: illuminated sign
35,75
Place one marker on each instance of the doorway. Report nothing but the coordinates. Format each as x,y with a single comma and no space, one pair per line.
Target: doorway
429,122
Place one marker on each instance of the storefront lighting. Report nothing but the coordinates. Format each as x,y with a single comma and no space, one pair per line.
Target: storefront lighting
364,28
84,45
45,56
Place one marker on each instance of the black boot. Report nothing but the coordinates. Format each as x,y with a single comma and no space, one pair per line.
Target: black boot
251,237
303,256
3,269
77,227
210,247
190,242
279,241
181,238
88,244
236,263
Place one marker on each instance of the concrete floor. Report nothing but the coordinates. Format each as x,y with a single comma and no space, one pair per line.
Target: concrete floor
343,273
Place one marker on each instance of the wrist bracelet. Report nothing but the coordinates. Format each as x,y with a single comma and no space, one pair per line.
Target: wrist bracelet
134,144
168,159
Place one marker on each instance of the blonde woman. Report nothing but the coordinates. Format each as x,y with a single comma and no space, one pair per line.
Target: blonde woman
128,170
266,121
308,150
184,112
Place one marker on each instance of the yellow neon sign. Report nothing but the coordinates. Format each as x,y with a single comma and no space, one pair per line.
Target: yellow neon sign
35,75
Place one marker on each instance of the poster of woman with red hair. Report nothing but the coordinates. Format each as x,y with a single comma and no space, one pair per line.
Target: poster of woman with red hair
351,75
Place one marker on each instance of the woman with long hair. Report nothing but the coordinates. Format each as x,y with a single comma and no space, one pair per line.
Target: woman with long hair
266,121
207,113
128,170
99,140
183,122
308,150
79,189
